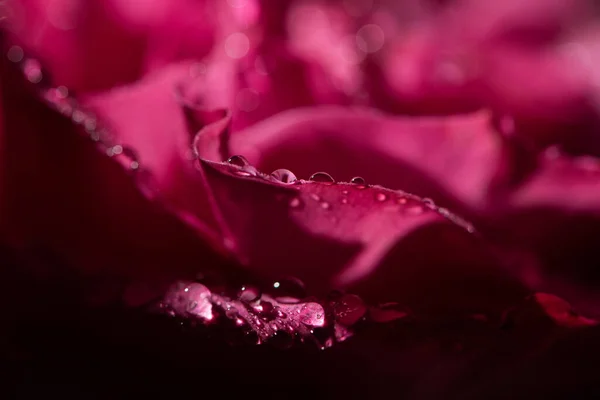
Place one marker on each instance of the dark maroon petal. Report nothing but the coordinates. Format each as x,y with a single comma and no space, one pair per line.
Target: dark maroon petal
61,195
413,154
381,244
550,222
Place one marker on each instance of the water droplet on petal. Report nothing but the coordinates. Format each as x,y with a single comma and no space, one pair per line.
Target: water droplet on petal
284,175
401,200
349,309
344,192
322,177
239,161
325,205
357,180
312,314
191,299
344,200
381,197
315,197
289,287
388,312
295,202
249,293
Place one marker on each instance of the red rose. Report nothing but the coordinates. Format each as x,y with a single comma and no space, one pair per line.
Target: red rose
132,222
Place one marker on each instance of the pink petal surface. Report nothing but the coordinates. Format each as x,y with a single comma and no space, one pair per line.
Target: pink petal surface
370,240
412,154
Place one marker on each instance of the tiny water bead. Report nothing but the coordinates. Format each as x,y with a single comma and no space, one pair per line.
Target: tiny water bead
381,197
284,176
321,177
238,161
357,180
325,205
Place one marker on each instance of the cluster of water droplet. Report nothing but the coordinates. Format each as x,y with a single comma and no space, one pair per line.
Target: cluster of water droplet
280,315
60,99
284,176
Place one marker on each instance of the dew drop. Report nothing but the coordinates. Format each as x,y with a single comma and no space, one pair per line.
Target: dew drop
312,314
349,309
388,312
239,161
315,197
321,177
284,175
357,180
249,293
402,200
381,197
345,192
325,205
295,202
289,287
344,200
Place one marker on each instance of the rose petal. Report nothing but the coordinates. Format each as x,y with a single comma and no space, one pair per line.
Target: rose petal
61,194
413,154
373,241
93,45
155,119
551,219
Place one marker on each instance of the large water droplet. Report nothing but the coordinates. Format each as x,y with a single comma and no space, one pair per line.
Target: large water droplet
284,175
312,314
191,299
349,309
357,180
239,161
388,312
289,288
322,177
249,293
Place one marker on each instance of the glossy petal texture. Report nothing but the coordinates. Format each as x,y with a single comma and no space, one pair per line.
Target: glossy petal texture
411,154
371,240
